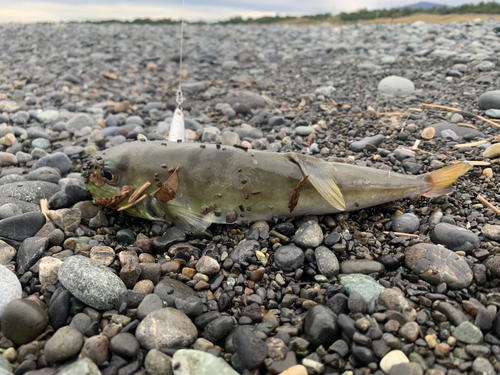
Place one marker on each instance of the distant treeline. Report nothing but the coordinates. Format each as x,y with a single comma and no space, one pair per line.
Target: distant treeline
364,14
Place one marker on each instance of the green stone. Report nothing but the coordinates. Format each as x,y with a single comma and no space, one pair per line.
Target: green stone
320,278
188,361
41,143
126,236
493,113
468,333
362,284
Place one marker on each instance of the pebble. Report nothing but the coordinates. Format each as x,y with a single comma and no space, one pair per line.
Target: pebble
207,266
405,223
158,363
166,328
57,160
7,253
393,358
78,275
320,326
364,266
327,262
252,351
489,100
481,366
10,288
30,251
365,143
363,284
395,85
308,235
23,320
84,366
63,345
49,270
455,238
188,361
468,333
289,257
446,265
492,151
124,344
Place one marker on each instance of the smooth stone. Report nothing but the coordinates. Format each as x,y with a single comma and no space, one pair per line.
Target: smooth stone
158,363
455,238
10,288
57,160
230,139
79,275
308,235
84,366
24,320
489,100
407,369
64,344
8,159
169,290
375,141
491,231
468,333
29,191
190,362
364,266
207,265
304,131
327,262
454,315
482,366
47,174
41,143
446,265
492,151
79,122
405,223
149,304
247,98
289,257
9,210
393,358
461,131
124,344
252,351
320,326
20,227
363,284
393,299
395,85
95,347
166,327
49,115
7,253
218,329
30,251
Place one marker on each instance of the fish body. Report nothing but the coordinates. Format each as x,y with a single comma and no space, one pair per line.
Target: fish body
202,184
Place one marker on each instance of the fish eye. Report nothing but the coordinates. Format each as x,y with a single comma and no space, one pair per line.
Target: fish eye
110,175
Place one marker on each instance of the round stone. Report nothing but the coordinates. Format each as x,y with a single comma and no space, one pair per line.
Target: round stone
65,344
489,100
491,231
91,282
24,320
320,326
327,262
10,288
468,333
405,223
124,344
394,357
395,85
309,235
436,265
104,255
166,327
289,258
207,265
188,361
455,238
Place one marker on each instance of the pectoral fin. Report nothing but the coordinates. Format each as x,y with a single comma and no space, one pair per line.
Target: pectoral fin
180,216
322,176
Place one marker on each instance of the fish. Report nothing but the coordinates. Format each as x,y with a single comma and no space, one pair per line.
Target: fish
193,185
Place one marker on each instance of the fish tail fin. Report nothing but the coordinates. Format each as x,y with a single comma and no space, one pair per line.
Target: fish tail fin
443,178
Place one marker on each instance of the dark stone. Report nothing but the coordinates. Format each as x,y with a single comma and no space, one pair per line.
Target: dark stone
251,350
20,227
217,330
320,326
59,307
455,238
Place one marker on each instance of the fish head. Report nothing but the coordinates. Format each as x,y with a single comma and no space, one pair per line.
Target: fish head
112,177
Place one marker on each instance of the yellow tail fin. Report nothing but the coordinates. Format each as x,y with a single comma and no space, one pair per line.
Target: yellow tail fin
443,178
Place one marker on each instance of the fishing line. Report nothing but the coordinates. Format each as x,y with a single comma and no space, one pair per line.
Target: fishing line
177,128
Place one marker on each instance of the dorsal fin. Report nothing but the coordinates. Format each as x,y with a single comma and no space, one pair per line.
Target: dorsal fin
322,176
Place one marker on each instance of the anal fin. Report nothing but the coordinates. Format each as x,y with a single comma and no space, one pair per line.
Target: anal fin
179,216
322,176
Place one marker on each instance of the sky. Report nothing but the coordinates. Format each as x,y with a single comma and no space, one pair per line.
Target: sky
194,10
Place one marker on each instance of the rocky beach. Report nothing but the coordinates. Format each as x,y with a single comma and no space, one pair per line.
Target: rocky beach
406,288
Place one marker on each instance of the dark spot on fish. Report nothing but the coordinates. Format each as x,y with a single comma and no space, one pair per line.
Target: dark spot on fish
171,169
177,366
143,139
356,204
123,162
217,213
163,144
249,208
179,141
271,207
246,196
255,192
203,146
164,166
241,147
231,216
244,180
156,174
159,184
239,169
242,215
218,146
224,149
242,209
